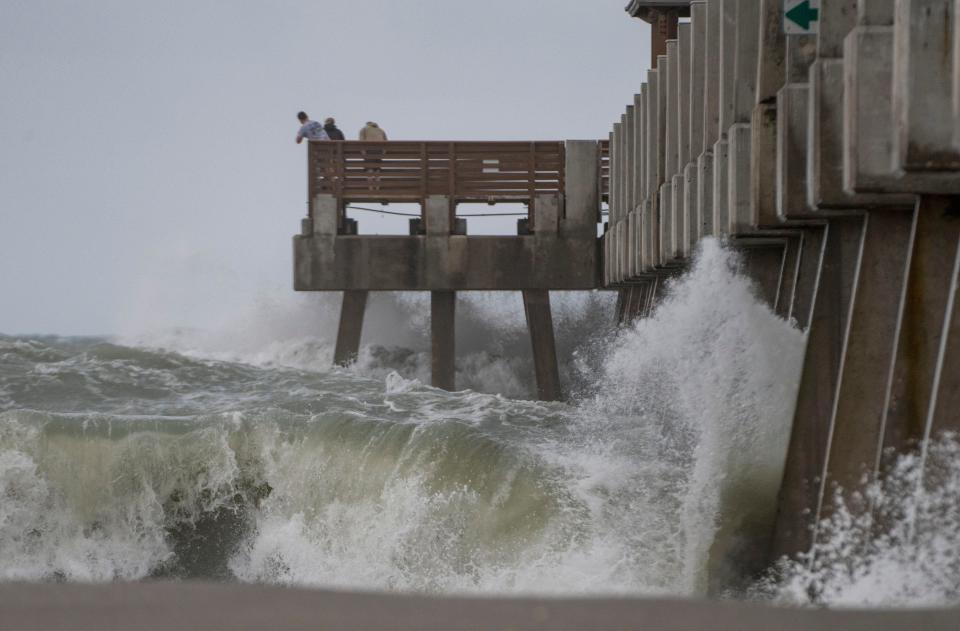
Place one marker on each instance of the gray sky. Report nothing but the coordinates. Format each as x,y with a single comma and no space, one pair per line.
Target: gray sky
147,163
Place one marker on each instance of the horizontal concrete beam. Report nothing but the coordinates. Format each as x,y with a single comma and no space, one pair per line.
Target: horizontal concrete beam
419,263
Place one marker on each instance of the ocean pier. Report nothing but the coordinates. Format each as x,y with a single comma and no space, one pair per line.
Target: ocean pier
652,322
818,139
556,247
821,140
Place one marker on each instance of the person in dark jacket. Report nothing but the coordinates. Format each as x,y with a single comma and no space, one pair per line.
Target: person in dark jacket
330,126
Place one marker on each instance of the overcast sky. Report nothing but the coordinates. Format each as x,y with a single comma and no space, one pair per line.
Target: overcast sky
147,162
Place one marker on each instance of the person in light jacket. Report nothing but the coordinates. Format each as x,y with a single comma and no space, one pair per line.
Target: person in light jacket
372,131
310,129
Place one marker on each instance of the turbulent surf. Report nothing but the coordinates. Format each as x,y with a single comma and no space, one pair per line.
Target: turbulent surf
244,456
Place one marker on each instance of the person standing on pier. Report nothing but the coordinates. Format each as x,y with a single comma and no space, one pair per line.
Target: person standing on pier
372,131
311,130
330,126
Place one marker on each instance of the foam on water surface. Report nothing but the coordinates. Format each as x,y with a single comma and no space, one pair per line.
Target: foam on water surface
244,456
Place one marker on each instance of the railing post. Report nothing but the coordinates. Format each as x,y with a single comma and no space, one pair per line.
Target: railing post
424,178
531,183
311,179
452,180
339,172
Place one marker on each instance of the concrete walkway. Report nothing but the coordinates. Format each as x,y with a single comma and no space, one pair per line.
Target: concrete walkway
167,606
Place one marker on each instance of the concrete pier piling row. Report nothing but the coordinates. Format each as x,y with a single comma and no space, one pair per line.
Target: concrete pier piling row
830,157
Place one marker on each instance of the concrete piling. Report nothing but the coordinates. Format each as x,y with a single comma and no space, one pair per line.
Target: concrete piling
812,241
789,274
351,327
443,306
929,285
764,265
868,348
536,306
721,180
799,493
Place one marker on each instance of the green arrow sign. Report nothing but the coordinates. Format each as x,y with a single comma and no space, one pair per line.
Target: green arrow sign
800,16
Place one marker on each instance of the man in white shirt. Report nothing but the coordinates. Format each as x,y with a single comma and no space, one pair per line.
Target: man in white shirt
311,130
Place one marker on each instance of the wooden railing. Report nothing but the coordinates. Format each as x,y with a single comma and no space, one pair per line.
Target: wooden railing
604,169
411,171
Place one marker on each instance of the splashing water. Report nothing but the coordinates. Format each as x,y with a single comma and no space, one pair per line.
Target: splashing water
903,552
243,456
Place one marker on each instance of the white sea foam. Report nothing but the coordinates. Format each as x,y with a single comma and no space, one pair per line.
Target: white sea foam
688,429
254,460
905,552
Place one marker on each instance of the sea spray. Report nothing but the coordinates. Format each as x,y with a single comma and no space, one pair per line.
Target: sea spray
896,543
259,467
715,372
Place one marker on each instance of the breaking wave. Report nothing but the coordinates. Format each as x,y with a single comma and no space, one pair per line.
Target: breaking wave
244,456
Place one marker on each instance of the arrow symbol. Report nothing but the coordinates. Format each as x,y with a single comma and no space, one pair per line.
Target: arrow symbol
803,14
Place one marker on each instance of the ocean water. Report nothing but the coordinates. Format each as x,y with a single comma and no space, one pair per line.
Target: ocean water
241,455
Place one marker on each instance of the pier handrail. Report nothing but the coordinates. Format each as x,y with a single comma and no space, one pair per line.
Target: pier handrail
411,171
603,164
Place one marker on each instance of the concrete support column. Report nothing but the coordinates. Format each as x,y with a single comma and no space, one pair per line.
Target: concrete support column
868,347
443,339
536,306
690,211
643,291
698,64
930,283
437,212
727,67
946,391
671,144
806,455
721,219
745,58
325,215
923,86
653,295
351,327
711,76
705,193
683,96
771,69
789,275
636,173
666,224
581,187
654,156
620,307
680,228
764,266
812,240
763,164
643,145
616,173
792,123
741,216
629,164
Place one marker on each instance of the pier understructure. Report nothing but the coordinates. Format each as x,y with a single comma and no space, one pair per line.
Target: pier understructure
825,144
555,248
